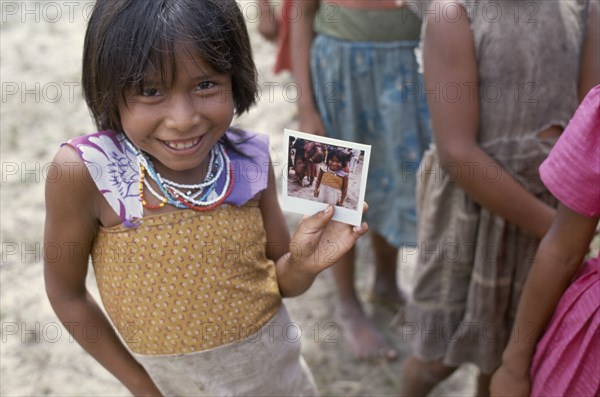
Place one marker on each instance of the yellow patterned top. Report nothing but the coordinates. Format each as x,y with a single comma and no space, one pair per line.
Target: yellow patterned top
332,180
187,281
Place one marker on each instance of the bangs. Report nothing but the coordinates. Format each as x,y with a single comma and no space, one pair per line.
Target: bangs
150,49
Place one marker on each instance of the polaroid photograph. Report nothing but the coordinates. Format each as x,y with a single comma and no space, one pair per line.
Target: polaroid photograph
321,171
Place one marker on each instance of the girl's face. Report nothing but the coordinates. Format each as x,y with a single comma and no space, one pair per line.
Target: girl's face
334,163
177,126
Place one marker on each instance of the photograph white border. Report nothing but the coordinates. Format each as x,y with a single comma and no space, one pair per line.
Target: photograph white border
310,207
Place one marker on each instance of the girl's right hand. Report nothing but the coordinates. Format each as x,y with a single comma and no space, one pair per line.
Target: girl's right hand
317,192
320,242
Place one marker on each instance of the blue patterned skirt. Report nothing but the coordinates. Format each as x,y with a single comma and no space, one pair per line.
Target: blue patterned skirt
372,93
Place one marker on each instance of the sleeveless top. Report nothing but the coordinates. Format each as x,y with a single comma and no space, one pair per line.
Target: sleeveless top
345,22
184,281
510,81
333,179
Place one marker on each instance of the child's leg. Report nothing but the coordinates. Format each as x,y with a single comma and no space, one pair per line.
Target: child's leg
419,377
365,340
385,287
311,172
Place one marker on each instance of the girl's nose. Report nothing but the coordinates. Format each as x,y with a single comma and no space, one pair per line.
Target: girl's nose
182,114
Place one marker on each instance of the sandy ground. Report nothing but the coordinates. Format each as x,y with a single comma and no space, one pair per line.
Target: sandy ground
41,106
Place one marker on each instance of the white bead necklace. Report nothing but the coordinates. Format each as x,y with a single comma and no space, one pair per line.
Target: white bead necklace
192,196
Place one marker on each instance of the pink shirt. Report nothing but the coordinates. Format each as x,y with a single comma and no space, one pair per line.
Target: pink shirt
572,170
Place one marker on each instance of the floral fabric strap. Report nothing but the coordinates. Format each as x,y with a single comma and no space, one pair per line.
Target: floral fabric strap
116,172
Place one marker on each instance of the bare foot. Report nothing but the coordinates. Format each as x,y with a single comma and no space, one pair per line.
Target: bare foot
366,342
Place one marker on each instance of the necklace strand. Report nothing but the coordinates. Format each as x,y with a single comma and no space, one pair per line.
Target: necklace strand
173,193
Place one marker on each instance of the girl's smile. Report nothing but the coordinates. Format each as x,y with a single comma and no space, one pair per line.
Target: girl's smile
183,147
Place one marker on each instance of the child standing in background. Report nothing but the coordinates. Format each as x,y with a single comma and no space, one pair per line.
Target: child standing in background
274,21
314,157
354,159
268,20
332,182
355,67
483,206
566,360
191,254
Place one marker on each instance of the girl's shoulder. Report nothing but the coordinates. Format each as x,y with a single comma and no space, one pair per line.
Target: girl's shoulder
339,173
95,138
113,167
252,143
250,163
102,148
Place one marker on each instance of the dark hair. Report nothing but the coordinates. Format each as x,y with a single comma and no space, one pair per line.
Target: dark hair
343,157
127,39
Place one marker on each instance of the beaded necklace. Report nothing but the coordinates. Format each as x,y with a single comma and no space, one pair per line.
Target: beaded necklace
192,196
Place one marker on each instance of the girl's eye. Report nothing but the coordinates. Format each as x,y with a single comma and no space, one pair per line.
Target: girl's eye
205,85
150,92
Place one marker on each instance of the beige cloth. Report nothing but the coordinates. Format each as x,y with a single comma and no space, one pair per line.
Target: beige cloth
472,264
187,281
196,300
267,363
329,195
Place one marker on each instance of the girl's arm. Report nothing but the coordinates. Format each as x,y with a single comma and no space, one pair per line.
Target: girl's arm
449,58
344,189
557,260
278,235
71,224
318,182
301,37
317,244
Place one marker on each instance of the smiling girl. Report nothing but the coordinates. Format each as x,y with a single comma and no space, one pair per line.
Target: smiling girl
332,182
178,211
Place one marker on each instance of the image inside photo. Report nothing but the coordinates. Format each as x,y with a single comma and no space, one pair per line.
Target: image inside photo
321,171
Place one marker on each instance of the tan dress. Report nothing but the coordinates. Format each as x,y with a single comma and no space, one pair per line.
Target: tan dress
330,190
196,300
472,264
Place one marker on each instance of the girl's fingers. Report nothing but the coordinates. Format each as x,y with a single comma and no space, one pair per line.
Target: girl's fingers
317,222
360,230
